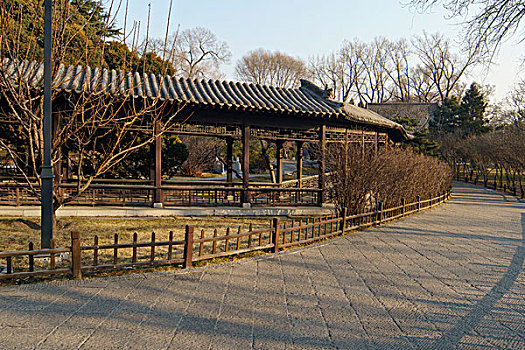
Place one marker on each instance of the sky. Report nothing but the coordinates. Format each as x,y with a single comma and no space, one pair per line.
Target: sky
304,28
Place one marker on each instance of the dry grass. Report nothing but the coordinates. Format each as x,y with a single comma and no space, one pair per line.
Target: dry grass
15,234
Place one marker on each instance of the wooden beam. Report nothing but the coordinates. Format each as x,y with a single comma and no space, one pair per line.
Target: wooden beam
246,198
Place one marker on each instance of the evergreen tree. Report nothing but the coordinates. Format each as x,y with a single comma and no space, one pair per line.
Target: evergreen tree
420,141
465,118
83,35
446,119
94,14
80,30
472,112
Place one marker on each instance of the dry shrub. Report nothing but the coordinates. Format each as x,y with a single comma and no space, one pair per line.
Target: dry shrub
387,177
201,155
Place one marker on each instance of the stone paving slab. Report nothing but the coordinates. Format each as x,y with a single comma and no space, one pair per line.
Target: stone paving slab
448,278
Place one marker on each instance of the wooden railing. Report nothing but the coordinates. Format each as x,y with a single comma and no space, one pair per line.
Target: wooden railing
76,258
142,195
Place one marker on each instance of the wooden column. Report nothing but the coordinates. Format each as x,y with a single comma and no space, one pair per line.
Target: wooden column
156,173
376,143
322,163
299,162
345,159
66,164
362,144
245,198
57,167
229,161
279,156
346,153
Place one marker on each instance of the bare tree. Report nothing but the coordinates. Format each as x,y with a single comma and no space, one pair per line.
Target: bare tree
194,53
201,154
95,126
424,69
198,53
487,22
501,152
373,82
516,99
328,71
374,72
335,71
444,68
271,68
398,68
422,85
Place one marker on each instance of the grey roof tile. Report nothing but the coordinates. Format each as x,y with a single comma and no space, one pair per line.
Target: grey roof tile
307,100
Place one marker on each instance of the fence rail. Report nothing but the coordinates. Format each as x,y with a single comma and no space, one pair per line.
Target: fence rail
196,246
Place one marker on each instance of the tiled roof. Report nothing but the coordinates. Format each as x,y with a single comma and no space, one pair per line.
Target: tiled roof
307,100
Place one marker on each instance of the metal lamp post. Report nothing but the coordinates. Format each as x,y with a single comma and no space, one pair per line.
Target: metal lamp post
47,169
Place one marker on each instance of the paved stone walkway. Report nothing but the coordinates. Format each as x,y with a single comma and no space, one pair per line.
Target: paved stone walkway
449,278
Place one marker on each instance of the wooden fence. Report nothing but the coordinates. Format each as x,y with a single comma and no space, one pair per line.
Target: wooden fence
516,190
196,246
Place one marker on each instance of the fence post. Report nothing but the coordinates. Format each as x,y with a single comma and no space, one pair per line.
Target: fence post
343,222
380,213
31,258
9,265
275,234
418,199
76,260
403,206
188,247
52,261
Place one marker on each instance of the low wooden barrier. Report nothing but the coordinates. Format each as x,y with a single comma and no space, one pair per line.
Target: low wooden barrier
197,246
516,190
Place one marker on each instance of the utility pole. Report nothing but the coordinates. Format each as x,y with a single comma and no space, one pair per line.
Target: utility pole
47,176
